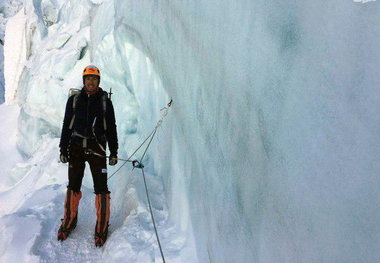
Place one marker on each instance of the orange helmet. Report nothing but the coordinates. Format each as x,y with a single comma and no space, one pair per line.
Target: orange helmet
91,70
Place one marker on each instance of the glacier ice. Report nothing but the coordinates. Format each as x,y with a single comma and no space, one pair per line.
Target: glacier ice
7,9
271,150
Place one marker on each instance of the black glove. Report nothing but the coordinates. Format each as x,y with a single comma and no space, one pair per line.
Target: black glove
112,160
64,156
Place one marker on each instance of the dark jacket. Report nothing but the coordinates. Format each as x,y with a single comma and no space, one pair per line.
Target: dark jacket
89,107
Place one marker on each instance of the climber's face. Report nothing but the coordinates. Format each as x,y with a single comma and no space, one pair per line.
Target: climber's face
91,83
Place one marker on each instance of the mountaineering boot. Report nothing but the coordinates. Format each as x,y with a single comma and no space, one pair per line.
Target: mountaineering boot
102,204
69,221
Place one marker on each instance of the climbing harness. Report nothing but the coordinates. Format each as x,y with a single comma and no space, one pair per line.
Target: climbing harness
139,165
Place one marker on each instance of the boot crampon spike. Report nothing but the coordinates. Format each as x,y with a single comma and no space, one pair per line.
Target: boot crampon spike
100,238
63,232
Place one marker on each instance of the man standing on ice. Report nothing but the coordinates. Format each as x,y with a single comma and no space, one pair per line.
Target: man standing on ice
88,126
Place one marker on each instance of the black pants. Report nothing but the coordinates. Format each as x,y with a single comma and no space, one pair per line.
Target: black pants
98,166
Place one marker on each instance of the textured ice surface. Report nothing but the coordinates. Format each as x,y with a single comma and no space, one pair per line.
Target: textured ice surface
9,153
8,8
15,53
271,151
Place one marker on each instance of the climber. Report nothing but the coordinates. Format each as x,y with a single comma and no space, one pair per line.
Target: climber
89,124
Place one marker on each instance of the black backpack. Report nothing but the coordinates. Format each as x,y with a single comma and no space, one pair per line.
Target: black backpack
76,93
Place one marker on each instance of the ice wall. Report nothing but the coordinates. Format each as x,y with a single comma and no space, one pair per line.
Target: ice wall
2,90
271,151
271,154
8,8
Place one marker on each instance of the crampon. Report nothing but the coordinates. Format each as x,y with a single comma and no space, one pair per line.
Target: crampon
63,232
100,238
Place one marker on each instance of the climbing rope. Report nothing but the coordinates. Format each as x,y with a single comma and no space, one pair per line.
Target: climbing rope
151,136
129,159
139,165
151,214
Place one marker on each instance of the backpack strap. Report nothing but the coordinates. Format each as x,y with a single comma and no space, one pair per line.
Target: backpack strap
104,102
75,100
